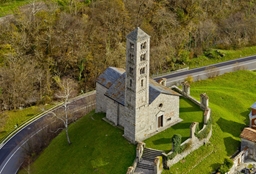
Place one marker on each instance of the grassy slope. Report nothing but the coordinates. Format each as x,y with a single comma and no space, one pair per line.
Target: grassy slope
229,55
189,112
97,147
9,119
230,96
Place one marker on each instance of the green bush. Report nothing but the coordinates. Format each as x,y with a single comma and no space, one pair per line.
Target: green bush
213,54
171,156
176,141
224,168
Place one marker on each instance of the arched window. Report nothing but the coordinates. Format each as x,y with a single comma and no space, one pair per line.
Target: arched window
143,45
142,70
130,82
141,82
131,70
143,57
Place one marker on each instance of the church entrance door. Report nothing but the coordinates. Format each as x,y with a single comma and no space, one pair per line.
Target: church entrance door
160,121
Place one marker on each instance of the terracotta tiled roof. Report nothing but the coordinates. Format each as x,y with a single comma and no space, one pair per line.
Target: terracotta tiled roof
249,134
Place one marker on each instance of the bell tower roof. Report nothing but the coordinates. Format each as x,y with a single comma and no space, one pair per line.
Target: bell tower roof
137,35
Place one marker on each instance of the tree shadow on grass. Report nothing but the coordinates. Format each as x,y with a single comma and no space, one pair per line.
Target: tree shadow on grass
162,141
245,114
231,145
188,109
167,140
231,127
181,126
215,166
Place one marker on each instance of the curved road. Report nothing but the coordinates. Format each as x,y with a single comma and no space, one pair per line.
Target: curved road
11,153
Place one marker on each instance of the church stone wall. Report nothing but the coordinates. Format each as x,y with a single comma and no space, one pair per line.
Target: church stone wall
147,117
112,110
100,98
122,120
129,127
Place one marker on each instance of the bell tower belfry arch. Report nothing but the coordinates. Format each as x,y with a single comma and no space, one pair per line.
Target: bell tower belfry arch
137,78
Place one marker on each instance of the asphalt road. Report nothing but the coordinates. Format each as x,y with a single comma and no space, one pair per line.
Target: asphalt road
12,153
201,73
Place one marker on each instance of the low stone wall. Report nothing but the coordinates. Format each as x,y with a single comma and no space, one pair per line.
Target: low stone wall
238,160
193,142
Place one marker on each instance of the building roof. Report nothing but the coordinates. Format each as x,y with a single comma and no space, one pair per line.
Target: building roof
117,90
109,76
253,106
137,35
155,89
249,134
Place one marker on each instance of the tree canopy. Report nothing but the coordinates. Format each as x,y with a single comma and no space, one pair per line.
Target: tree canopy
79,39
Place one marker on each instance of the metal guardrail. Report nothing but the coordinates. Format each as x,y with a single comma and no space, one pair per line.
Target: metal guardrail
169,72
4,140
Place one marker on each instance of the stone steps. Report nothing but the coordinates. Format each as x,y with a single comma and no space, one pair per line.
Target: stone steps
151,154
146,165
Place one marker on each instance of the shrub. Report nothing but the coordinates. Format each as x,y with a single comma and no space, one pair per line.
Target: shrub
189,79
224,168
171,156
176,141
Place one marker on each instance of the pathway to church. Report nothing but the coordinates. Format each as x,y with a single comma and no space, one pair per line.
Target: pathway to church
146,165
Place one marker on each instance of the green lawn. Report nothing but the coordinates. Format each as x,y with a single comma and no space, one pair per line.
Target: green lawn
189,112
97,147
230,97
9,119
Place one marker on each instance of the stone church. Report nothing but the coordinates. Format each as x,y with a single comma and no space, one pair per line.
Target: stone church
131,99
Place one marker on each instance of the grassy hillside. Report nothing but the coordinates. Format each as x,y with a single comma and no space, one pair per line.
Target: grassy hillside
230,96
100,148
97,147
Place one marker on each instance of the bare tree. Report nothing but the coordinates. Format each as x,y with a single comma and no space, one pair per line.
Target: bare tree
67,90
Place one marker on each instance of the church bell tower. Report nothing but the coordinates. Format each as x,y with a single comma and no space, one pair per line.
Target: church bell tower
137,77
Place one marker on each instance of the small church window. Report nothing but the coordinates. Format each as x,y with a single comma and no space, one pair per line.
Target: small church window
160,105
131,57
131,70
130,82
131,46
142,70
143,57
143,46
141,83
